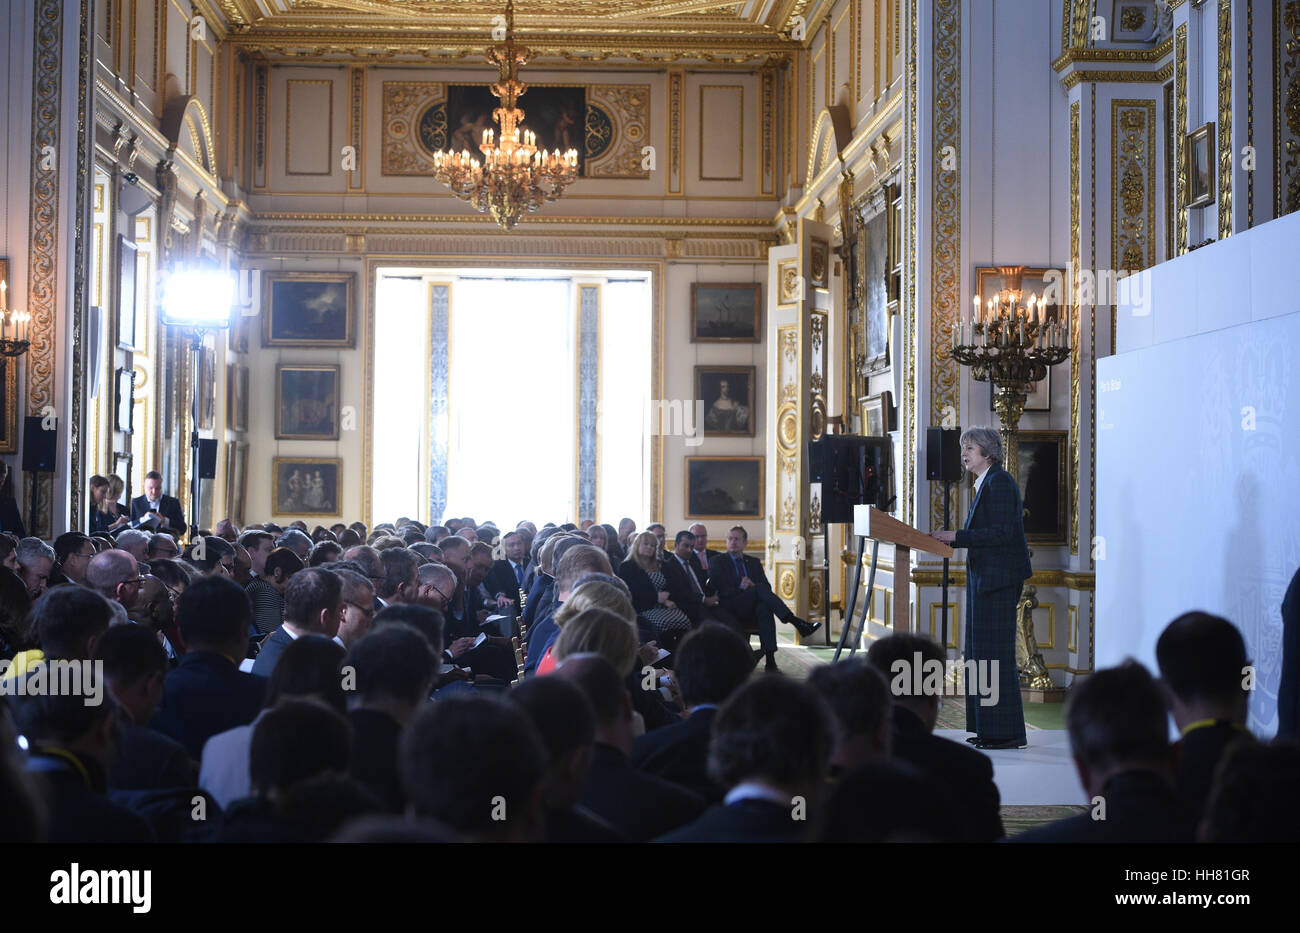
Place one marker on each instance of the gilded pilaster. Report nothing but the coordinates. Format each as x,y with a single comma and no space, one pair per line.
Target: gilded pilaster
1180,140
1225,147
1075,257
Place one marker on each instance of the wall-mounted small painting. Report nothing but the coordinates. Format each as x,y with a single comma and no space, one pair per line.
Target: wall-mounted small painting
306,402
1200,166
819,275
308,309
728,396
725,313
1042,476
236,397
307,486
124,408
724,487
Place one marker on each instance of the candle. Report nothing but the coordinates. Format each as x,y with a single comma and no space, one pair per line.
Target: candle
4,295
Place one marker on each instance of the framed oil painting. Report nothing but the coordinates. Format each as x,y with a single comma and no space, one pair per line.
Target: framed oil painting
307,486
819,275
306,402
207,388
724,487
308,309
8,405
874,243
236,481
126,292
236,397
877,414
124,401
1200,166
1042,476
725,313
727,393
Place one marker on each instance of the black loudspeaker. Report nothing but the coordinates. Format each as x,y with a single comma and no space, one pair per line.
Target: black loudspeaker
39,444
855,471
817,460
943,454
207,458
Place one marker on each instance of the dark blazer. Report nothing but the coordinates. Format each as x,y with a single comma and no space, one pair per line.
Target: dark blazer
644,594
638,805
78,810
1288,690
543,632
501,579
540,595
743,821
206,694
1141,806
169,508
995,535
726,582
680,589
99,521
272,647
964,772
1199,753
679,753
375,736
146,759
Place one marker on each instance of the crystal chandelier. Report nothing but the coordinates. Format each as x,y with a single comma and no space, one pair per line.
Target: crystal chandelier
514,176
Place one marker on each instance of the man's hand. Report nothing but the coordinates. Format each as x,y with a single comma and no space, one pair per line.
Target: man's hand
711,601
503,600
460,646
947,537
121,520
746,583
649,652
162,520
481,615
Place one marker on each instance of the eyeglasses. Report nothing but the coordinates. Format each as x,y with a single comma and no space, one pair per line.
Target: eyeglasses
133,581
367,611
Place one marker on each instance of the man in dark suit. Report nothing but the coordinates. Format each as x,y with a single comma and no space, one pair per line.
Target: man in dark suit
1120,742
638,805
1202,662
712,663
313,605
966,773
688,587
505,581
997,564
771,748
700,548
168,508
743,591
207,693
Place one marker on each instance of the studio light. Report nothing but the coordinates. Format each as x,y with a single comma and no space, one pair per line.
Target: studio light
198,295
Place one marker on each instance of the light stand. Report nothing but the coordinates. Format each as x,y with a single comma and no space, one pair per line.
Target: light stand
196,345
943,601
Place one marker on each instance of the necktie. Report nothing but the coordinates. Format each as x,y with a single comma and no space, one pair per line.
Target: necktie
740,568
695,581
519,574
704,562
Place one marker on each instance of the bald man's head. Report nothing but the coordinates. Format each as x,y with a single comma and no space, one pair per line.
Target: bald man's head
114,575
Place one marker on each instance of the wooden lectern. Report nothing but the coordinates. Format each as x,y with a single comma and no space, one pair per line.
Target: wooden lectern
870,522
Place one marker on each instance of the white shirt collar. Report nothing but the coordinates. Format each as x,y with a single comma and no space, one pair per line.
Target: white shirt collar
979,478
288,631
747,790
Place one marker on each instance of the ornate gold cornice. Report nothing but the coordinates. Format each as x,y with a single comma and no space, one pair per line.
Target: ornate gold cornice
1165,72
485,220
1073,580
1127,56
1075,78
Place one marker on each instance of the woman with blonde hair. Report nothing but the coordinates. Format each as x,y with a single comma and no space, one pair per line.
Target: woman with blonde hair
644,578
597,593
602,632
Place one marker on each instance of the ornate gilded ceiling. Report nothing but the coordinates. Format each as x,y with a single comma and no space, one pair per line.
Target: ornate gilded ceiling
747,32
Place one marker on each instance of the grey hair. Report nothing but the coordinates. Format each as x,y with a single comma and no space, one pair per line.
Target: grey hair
987,440
30,550
131,535
292,535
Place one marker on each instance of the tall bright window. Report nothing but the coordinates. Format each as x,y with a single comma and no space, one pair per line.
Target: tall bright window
503,349
509,394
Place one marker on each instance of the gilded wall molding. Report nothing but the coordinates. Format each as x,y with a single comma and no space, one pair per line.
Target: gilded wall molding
1180,140
911,268
1226,153
81,261
43,255
1133,148
767,152
1077,440
1076,56
676,120
1076,248
945,222
1133,76
1286,108
1080,18
357,127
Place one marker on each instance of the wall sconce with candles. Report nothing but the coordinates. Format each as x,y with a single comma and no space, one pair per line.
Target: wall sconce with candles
14,324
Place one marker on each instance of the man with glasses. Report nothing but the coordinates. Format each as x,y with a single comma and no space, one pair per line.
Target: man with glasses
371,565
358,607
115,575
72,552
494,656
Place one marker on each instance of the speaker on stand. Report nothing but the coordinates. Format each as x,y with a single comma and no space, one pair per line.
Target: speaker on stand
40,449
943,464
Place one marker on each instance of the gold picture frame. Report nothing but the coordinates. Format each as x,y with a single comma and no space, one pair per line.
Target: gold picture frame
1043,472
712,481
720,419
877,414
1199,155
309,309
236,397
289,498
726,312
307,401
